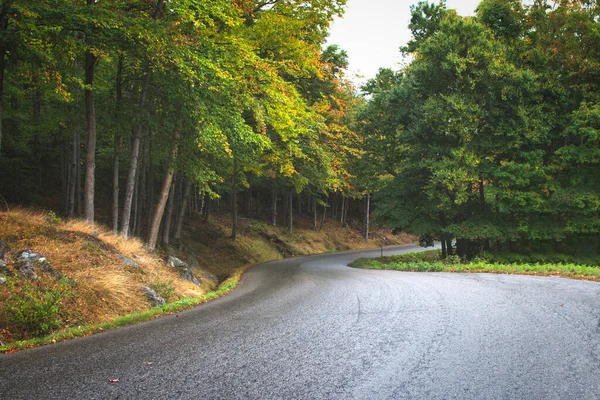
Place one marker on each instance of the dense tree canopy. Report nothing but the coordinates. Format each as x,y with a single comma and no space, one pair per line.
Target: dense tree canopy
142,99
488,139
490,134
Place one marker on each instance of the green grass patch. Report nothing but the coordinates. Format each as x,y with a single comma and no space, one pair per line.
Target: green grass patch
430,261
177,306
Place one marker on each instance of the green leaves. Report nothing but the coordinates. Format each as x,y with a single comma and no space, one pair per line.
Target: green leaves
494,127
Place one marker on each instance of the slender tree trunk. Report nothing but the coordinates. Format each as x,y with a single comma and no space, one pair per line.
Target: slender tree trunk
90,112
135,203
169,214
150,182
324,212
207,203
115,184
291,209
37,145
449,247
444,249
78,184
249,203
3,28
346,211
135,150
117,145
181,215
164,193
486,242
142,192
258,204
274,207
368,216
74,172
65,172
234,200
314,204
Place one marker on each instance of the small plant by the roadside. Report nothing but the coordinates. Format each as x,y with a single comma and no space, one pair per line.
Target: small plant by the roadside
53,218
164,289
37,308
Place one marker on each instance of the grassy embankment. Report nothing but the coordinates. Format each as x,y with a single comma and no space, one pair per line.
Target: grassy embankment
100,291
587,268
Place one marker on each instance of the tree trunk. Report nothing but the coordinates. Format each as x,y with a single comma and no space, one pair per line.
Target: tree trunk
324,212
3,28
346,210
234,200
135,150
78,185
169,214
291,209
65,167
115,184
164,193
444,250
135,202
142,205
150,182
207,207
74,170
449,248
274,207
37,145
181,215
314,204
368,216
257,204
117,145
90,113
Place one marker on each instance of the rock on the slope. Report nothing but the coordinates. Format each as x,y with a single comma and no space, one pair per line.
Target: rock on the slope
210,277
27,272
128,261
27,260
153,297
2,280
188,275
185,271
176,262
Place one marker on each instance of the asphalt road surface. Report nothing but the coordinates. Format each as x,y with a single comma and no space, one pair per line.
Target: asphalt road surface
312,328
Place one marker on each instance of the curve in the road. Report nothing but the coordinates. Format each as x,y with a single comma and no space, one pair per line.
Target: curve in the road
312,328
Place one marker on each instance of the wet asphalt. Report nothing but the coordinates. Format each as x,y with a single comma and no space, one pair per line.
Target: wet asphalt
312,328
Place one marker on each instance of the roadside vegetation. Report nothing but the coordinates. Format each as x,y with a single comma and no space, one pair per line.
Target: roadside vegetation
587,268
95,285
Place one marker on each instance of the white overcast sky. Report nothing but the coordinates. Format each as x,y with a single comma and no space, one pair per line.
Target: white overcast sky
372,31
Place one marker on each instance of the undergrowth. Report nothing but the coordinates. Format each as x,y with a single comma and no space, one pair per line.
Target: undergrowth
104,272
431,261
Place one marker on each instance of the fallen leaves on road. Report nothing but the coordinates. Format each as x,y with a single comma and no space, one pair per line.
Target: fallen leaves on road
113,380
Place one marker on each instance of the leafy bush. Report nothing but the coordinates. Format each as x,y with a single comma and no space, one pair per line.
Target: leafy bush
540,258
164,289
35,309
31,312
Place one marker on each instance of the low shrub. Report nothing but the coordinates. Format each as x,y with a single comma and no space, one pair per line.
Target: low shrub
164,289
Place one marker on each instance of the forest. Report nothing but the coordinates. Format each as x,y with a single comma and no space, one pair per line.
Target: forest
135,113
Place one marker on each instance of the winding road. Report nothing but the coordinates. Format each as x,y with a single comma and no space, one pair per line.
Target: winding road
312,328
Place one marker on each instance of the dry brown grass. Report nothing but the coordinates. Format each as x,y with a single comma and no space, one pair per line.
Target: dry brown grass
90,255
